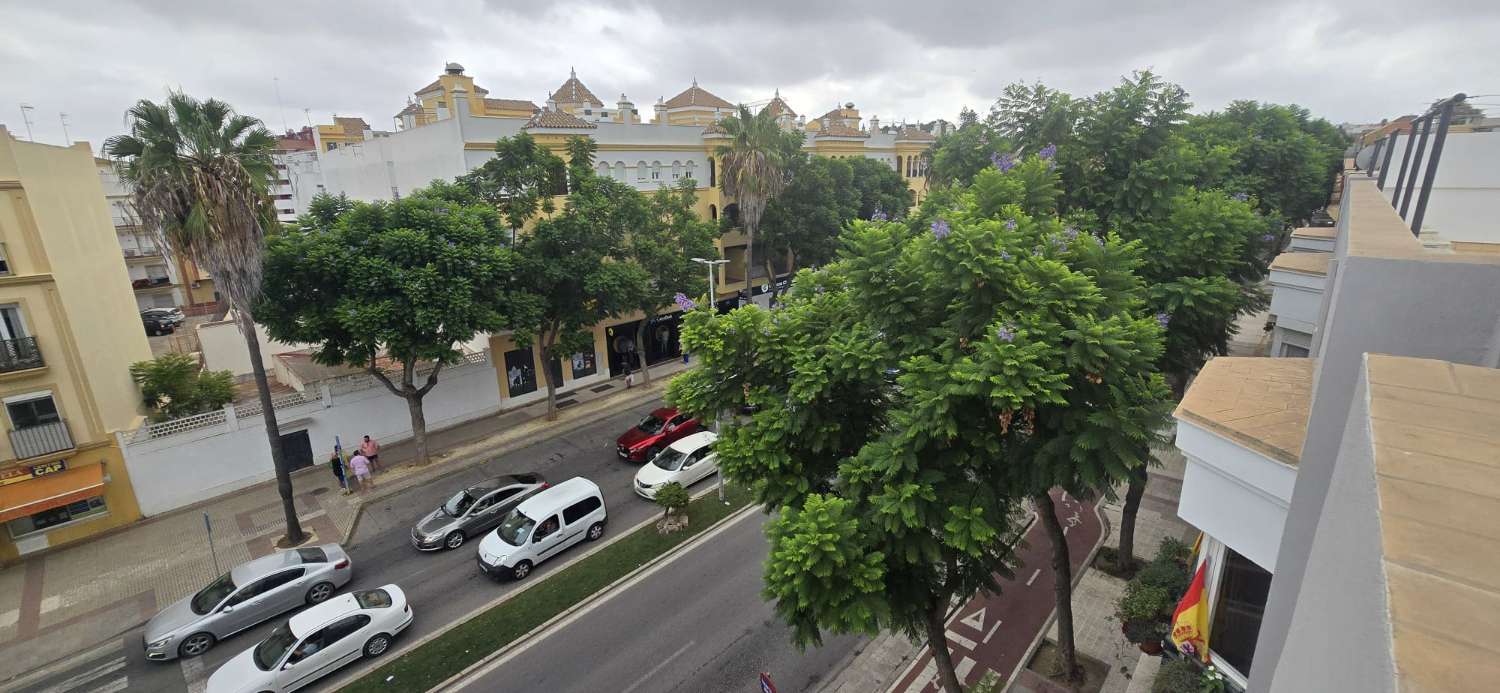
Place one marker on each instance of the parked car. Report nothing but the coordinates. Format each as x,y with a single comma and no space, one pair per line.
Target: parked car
474,511
687,461
156,324
542,527
654,433
245,596
172,315
317,642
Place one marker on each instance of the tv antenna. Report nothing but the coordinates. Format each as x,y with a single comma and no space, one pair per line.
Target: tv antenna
63,117
276,82
26,110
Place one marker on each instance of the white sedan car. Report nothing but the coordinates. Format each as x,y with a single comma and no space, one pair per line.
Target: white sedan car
316,642
686,461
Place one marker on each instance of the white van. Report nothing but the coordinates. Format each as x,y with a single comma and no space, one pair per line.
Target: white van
542,526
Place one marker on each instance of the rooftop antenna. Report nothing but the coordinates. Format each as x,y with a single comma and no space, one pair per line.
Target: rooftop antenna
26,110
64,118
276,82
307,113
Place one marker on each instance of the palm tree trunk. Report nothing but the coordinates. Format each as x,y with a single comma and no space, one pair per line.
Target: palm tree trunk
749,256
1062,569
937,641
771,276
1126,553
294,533
640,345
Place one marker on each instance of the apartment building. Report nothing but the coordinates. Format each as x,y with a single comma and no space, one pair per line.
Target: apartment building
69,330
1347,498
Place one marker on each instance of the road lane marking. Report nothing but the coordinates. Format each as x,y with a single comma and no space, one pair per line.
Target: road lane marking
76,680
961,640
114,686
964,667
929,673
1032,579
658,667
991,634
975,620
193,674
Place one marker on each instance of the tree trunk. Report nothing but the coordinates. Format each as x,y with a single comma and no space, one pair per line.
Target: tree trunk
1133,493
547,342
1063,573
771,277
749,256
937,641
294,533
413,396
418,422
640,346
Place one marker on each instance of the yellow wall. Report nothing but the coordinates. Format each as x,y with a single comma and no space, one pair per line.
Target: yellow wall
119,498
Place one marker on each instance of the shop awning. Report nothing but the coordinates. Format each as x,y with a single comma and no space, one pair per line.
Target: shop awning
51,491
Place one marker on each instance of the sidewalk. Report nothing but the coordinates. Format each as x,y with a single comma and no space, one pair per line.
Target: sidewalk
77,596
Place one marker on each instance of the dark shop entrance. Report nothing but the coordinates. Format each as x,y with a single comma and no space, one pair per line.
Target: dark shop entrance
661,343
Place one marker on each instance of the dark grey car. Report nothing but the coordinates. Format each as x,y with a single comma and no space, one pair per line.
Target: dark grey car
474,511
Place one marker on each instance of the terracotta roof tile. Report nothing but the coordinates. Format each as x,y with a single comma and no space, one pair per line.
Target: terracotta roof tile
431,87
557,119
351,125
573,91
914,134
697,96
779,107
511,105
840,130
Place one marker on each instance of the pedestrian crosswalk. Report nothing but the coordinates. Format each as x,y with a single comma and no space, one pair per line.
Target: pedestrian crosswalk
109,676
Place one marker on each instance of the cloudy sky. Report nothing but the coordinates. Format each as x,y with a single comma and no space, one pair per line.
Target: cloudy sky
1347,61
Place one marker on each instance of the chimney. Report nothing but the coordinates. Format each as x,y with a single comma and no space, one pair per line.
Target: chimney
551,102
661,112
625,108
874,123
460,98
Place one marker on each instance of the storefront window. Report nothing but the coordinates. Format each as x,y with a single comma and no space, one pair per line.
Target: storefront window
1241,602
520,372
584,364
87,507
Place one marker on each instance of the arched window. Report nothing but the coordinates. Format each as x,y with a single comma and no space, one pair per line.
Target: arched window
603,169
692,167
620,170
656,170
713,212
676,170
898,164
640,170
712,181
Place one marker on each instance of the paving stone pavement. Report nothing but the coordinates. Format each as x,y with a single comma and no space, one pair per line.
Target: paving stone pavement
76,596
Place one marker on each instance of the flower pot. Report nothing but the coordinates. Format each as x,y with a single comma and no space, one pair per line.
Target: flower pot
1152,647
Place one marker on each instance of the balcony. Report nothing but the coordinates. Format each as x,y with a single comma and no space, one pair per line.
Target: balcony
19,355
1297,284
1314,239
150,283
41,439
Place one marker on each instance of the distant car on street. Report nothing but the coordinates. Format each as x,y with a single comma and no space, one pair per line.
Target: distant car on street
654,433
157,324
543,526
172,315
316,642
245,596
687,461
474,511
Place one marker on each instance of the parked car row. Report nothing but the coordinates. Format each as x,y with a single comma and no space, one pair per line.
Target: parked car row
161,320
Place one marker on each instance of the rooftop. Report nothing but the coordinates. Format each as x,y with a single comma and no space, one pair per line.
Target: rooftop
697,97
779,107
836,129
1260,403
557,119
1305,263
511,105
1437,475
1377,231
1316,232
573,91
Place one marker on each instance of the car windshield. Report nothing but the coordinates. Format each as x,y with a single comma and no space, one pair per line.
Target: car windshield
515,528
670,459
458,504
209,597
270,650
651,424
373,599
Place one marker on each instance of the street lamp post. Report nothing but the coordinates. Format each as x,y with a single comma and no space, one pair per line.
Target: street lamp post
713,305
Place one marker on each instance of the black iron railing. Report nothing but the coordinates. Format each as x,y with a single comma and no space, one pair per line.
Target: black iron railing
19,354
1441,114
41,439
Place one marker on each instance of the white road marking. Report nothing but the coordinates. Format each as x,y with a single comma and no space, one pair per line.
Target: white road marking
961,640
51,603
991,634
114,686
76,680
1032,579
965,666
975,620
194,674
929,674
658,667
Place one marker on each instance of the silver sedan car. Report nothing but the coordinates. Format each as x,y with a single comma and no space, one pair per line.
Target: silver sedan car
474,511
243,597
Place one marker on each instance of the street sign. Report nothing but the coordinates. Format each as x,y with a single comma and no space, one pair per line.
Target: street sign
765,683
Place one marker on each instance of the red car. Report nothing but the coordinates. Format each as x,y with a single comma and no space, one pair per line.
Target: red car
654,433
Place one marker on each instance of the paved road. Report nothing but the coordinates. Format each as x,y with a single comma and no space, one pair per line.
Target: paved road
443,587
993,632
696,625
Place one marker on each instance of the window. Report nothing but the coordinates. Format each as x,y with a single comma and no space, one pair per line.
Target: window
547,528
309,646
506,493
332,146
712,181
343,628
676,170
678,420
265,585
620,170
640,170
713,212
581,509
603,170
656,170
1238,608
89,507
4,262
11,326
30,411
1294,351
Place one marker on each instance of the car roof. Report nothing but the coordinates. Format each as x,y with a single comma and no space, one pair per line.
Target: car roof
318,615
565,493
256,569
694,441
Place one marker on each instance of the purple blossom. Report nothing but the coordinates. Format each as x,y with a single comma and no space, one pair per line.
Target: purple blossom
1010,224
1268,237
940,229
1004,162
1070,232
1240,197
1006,333
1004,256
879,215
1048,152
684,302
1098,241
1163,319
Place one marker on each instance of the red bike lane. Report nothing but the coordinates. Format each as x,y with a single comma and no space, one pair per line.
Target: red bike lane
994,631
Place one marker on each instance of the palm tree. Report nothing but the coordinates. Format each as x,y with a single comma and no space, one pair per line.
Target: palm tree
199,173
753,169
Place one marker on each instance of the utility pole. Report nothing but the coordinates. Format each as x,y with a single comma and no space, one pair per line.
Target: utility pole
713,306
26,110
64,118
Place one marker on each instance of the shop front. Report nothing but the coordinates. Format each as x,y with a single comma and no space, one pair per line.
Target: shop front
661,342
48,503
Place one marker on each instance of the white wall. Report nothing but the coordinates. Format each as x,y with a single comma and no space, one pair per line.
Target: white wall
1233,494
1465,200
1296,299
179,470
223,347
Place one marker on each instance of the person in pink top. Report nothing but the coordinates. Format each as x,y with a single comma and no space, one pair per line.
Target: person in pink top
360,465
371,450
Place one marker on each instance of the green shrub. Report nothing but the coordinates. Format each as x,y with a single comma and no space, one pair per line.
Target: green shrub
1178,676
1172,550
174,386
672,497
1144,611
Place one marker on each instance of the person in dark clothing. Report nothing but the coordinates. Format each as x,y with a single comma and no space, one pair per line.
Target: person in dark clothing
337,464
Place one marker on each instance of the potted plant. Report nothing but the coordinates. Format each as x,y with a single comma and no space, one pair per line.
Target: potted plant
1143,612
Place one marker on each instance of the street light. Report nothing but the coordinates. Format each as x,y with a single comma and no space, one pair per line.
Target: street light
712,306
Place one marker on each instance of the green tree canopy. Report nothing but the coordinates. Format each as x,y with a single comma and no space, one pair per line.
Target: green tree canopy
663,247
408,280
174,386
1279,156
520,181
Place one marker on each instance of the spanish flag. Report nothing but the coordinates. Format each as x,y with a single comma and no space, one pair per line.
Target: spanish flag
1190,621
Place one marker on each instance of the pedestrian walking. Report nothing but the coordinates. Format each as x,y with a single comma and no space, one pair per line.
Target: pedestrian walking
371,450
684,358
629,377
360,465
337,464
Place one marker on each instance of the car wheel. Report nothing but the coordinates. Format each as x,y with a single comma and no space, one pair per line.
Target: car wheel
454,539
596,531
521,570
320,592
195,644
377,645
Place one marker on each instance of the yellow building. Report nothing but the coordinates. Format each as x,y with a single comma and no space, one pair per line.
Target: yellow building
70,330
694,106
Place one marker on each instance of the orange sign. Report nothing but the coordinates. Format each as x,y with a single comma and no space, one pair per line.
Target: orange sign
18,474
